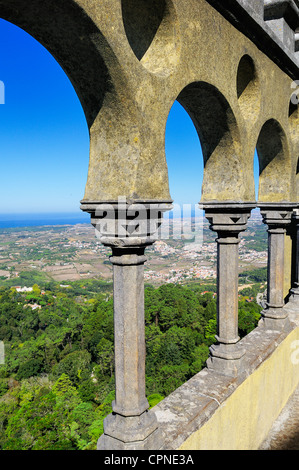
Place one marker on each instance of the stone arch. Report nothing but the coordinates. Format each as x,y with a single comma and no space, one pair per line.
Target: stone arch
218,132
73,39
67,31
275,183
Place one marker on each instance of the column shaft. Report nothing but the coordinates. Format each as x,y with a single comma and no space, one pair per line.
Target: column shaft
129,335
228,220
227,289
128,228
277,216
276,240
131,426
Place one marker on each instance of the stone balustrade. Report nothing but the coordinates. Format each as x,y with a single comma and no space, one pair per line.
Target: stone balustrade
128,229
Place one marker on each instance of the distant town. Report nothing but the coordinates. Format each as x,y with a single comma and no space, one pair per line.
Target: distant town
73,252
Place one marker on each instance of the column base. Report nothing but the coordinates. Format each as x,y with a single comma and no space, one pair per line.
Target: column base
274,319
130,432
152,442
292,306
227,359
294,297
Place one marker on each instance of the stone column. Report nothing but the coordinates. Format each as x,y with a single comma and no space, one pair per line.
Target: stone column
294,293
277,217
128,229
228,220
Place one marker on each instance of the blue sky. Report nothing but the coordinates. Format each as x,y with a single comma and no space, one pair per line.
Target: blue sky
44,142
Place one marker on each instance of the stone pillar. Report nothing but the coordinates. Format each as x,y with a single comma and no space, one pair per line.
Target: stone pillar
228,220
294,297
128,229
277,217
131,425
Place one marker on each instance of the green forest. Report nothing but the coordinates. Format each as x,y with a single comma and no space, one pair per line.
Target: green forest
57,383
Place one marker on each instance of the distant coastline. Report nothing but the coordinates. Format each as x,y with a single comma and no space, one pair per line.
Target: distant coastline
37,220
73,218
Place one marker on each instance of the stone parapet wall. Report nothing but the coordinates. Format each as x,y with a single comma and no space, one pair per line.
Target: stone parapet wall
215,412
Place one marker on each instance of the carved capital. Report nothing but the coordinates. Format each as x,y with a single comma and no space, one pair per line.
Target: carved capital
277,216
123,224
228,219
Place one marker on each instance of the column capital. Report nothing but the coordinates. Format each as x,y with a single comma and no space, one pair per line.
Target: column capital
126,224
277,215
228,219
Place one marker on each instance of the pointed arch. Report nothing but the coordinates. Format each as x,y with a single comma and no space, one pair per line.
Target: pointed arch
218,132
274,162
73,39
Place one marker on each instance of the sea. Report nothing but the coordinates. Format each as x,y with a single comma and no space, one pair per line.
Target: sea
72,218
38,220
67,218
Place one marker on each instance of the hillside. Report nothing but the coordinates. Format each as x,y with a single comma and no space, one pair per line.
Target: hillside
57,383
